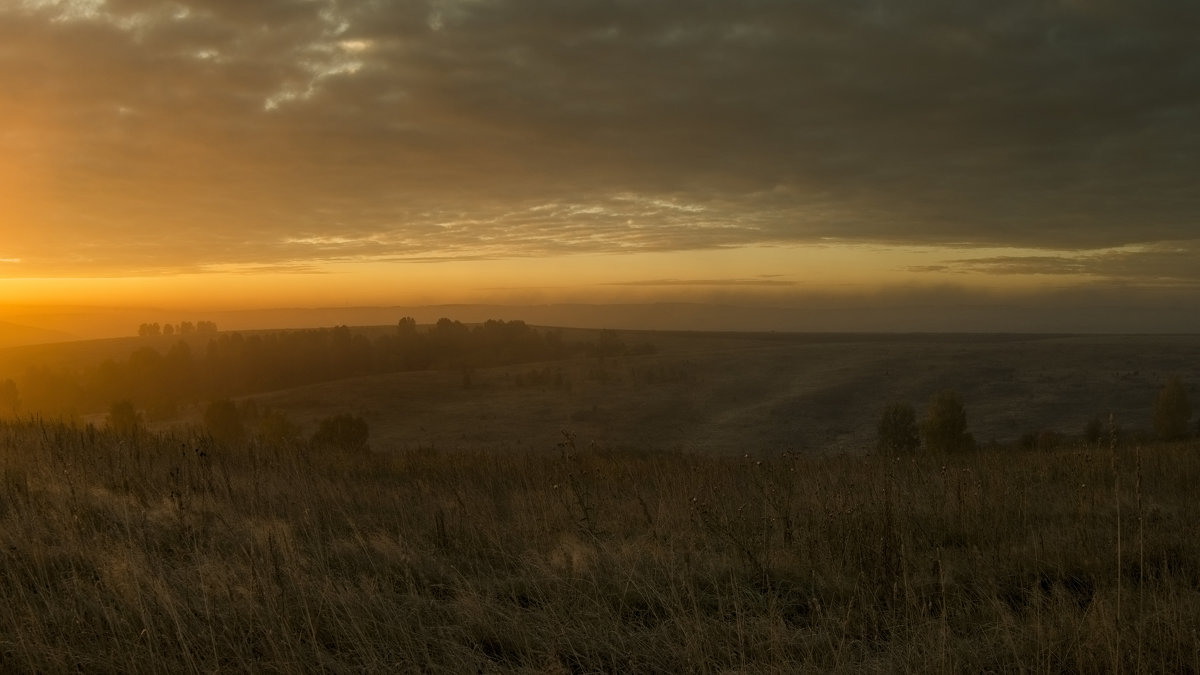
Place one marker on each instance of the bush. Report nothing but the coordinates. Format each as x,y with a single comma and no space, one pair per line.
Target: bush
1172,411
343,432
223,420
944,428
124,419
898,433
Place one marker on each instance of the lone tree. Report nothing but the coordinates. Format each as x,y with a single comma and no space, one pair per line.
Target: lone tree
1172,411
944,428
898,432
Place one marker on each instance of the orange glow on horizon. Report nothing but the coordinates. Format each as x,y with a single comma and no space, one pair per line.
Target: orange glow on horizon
762,273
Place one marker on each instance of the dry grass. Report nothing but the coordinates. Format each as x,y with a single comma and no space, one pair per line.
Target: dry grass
167,554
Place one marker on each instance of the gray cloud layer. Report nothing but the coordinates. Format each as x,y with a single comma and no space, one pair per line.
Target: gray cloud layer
277,131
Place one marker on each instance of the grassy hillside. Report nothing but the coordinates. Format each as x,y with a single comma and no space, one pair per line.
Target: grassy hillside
12,334
765,393
173,554
711,392
80,354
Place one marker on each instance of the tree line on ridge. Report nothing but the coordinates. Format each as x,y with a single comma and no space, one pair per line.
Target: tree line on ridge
234,364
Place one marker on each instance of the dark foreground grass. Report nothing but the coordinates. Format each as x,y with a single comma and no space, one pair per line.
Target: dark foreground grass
169,554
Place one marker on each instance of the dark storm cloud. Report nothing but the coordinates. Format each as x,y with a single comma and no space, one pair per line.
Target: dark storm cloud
271,131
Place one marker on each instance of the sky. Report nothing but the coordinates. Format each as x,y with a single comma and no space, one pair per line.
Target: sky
212,155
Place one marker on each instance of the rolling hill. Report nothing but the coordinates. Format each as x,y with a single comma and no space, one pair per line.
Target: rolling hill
16,335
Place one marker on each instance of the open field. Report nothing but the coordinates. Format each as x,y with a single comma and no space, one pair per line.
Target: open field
172,554
712,506
760,393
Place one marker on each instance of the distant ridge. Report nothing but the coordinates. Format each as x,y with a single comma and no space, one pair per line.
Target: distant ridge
650,316
954,313
17,335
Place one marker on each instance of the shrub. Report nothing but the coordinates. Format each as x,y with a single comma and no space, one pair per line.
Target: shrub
124,419
223,420
1172,411
897,431
944,428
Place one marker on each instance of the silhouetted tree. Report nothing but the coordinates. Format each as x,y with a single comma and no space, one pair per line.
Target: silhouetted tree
146,375
344,432
223,420
124,419
179,373
168,329
897,430
186,328
1172,411
149,330
233,364
944,428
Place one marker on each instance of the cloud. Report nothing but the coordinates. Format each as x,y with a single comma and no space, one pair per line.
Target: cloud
1163,263
705,282
214,132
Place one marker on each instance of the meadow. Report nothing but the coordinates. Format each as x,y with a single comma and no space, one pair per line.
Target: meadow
170,553
723,393
758,393
711,505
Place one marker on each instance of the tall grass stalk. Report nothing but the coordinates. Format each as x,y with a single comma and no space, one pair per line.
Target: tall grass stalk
178,554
